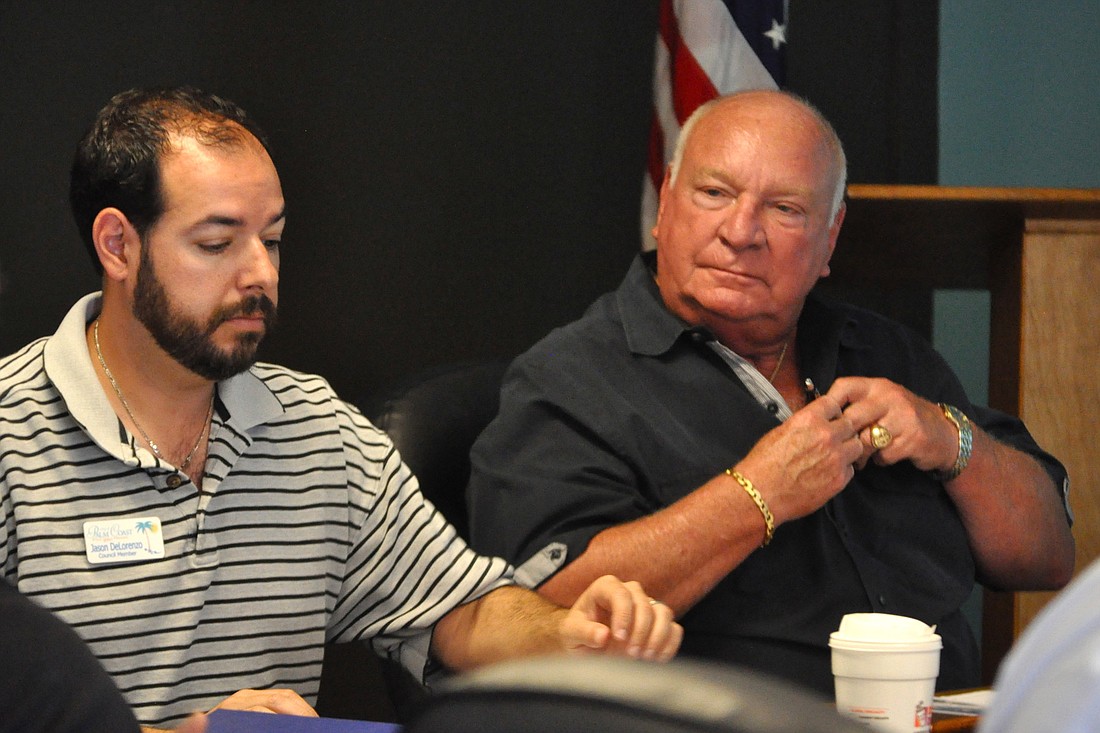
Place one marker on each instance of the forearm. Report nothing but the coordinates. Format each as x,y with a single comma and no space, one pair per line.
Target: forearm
1015,518
507,623
678,553
611,617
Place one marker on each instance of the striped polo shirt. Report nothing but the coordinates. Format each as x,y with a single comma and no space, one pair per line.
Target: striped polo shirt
309,528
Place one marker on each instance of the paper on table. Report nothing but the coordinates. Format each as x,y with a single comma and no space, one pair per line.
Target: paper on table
240,721
973,702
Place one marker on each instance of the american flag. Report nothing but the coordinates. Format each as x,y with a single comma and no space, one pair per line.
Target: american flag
706,48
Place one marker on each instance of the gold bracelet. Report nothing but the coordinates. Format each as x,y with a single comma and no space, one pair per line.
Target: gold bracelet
769,520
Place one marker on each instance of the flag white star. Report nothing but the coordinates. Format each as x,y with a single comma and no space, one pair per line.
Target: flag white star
778,34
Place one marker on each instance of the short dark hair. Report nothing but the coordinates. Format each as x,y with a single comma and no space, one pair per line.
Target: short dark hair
117,162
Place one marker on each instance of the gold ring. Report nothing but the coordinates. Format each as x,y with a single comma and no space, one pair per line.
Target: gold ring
880,437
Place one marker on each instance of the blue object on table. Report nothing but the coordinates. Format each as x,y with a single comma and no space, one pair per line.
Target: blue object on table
240,721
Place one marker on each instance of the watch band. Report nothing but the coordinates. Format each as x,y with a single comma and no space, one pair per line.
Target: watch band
966,442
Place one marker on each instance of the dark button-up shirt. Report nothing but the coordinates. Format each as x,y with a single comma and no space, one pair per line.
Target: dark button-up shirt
627,410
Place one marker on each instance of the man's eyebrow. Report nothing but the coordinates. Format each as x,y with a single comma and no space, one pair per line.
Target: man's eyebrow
704,173
232,221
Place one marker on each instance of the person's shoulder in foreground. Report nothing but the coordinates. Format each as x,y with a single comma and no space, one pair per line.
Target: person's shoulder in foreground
50,680
1050,680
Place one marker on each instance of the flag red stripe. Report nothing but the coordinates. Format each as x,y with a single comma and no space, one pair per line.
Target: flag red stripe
691,86
656,161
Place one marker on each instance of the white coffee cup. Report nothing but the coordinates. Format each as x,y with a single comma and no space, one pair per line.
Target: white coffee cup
885,669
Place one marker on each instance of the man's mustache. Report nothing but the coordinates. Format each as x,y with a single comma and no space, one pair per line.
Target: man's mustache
249,306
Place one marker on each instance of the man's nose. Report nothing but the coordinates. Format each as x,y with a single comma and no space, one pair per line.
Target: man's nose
742,226
260,269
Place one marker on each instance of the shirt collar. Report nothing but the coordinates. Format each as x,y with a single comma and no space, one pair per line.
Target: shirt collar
824,326
651,329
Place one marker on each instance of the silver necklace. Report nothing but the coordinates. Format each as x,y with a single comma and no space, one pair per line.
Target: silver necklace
126,406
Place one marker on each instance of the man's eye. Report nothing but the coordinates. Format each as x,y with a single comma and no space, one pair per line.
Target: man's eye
214,248
272,243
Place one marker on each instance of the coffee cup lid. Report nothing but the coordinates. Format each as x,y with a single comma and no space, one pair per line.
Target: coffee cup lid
883,627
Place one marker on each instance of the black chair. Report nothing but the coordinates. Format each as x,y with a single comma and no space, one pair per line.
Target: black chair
433,418
617,695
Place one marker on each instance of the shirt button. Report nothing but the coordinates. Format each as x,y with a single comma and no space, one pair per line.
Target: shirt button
882,600
174,481
772,407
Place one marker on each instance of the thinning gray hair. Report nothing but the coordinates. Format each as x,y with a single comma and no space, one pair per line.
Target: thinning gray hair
828,134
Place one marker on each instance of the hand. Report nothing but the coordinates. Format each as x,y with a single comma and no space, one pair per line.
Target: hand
283,702
919,432
807,460
620,618
194,724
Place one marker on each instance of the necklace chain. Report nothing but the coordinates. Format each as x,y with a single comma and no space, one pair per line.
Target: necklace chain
774,371
133,418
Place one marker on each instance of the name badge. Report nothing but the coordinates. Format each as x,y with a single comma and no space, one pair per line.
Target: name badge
123,540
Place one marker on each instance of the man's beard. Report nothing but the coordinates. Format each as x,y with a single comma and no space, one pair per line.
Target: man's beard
189,342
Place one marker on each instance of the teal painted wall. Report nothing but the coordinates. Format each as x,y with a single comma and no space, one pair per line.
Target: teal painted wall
1019,93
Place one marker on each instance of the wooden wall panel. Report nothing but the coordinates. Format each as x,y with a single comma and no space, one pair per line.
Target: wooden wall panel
1059,373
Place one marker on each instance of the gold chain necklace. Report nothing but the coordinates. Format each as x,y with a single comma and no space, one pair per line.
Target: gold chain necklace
126,406
770,379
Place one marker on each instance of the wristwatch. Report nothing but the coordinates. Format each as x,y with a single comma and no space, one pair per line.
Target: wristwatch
966,442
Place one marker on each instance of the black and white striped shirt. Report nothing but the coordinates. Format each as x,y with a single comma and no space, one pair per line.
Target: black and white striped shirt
309,528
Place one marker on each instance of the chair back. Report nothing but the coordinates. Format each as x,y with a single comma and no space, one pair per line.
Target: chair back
433,418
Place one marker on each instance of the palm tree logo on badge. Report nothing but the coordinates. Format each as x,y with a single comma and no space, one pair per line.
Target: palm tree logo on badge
147,526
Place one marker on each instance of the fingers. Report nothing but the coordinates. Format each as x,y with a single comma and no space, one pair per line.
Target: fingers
893,424
828,406
863,400
283,702
665,635
844,431
652,626
635,626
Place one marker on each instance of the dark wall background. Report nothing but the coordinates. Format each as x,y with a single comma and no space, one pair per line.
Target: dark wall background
461,176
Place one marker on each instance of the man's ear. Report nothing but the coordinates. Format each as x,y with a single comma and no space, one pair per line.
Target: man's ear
834,232
665,186
115,242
